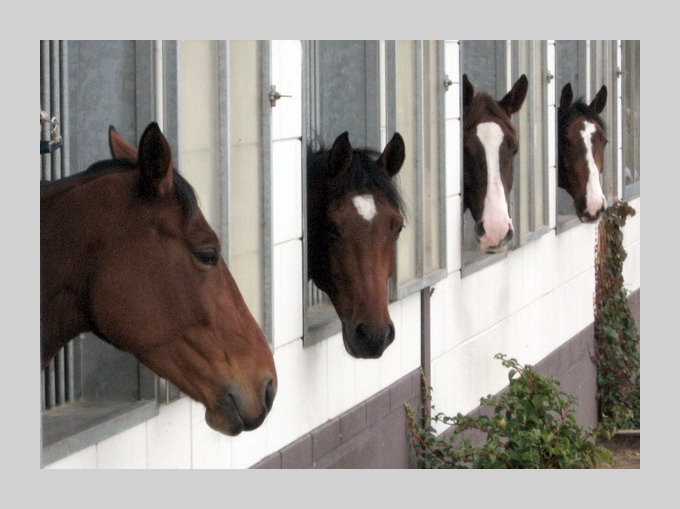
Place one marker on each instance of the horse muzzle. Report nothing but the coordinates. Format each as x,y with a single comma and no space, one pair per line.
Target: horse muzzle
493,244
367,341
237,412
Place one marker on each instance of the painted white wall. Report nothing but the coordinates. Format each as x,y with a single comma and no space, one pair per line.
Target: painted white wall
525,306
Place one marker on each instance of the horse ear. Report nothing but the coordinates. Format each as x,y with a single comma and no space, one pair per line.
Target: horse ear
600,100
155,160
468,91
393,155
119,146
513,100
340,156
567,96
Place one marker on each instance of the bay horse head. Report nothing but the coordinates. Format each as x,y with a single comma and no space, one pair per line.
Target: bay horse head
582,137
355,214
490,142
126,253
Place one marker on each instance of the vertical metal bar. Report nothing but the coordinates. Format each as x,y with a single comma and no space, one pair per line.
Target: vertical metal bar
64,119
145,85
307,121
544,134
372,76
60,378
425,351
224,146
391,126
531,128
45,104
55,102
266,148
515,195
441,150
69,375
50,384
169,93
420,158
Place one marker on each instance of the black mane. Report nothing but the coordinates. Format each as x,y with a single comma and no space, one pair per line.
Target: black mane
185,192
364,174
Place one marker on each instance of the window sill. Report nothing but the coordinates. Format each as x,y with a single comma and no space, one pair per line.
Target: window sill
566,222
322,323
71,428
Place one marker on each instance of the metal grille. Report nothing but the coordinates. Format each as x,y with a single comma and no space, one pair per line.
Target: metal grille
315,296
58,379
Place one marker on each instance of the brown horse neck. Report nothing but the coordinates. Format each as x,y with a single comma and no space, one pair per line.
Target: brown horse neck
69,227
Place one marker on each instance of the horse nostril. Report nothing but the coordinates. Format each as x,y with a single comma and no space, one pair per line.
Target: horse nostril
479,229
508,236
390,334
269,393
362,332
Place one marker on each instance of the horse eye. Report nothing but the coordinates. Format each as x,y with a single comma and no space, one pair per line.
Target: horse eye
333,230
515,150
207,256
399,229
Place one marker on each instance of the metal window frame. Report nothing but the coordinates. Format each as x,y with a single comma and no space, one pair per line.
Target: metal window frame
630,191
539,68
82,423
423,279
266,148
473,260
326,322
571,220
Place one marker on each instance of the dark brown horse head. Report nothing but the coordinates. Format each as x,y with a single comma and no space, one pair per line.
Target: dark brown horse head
355,215
582,137
490,142
127,253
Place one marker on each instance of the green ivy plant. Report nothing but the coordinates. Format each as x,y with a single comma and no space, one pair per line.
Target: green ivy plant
617,338
532,425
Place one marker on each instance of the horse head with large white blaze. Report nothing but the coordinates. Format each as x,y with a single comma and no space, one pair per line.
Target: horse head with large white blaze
126,253
582,137
490,142
354,215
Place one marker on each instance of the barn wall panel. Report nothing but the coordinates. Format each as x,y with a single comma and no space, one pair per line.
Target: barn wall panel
125,450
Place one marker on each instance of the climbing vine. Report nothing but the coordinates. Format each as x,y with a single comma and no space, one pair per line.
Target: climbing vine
531,425
617,338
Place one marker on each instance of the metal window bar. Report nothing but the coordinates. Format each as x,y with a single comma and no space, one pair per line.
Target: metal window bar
58,380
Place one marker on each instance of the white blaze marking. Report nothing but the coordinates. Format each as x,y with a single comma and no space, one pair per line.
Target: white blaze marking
365,205
495,218
594,196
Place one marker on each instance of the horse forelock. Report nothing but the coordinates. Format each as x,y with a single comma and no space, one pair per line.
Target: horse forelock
364,175
483,105
579,109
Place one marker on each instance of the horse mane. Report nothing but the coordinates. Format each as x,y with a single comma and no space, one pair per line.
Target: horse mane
484,103
582,109
185,192
364,174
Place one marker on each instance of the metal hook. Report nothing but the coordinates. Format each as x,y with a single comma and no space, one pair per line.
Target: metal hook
275,96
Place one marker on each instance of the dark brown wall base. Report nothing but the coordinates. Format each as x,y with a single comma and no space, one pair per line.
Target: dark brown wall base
370,435
373,434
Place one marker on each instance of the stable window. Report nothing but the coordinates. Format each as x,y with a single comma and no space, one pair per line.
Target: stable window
493,67
91,390
604,71
531,176
373,89
571,57
415,91
341,87
631,118
246,185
